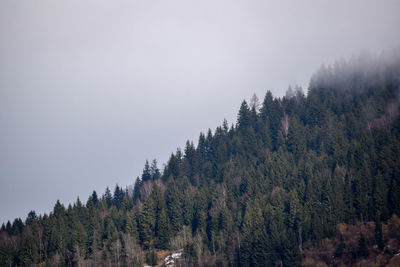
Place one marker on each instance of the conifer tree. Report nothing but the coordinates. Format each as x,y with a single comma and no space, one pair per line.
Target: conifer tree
108,197
118,196
146,175
173,201
146,222
136,190
163,230
154,171
95,198
243,120
29,251
131,225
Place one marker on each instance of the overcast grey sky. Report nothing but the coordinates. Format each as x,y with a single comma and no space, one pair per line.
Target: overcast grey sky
90,89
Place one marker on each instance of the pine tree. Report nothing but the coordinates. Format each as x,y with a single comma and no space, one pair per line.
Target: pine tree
255,247
59,210
95,198
108,197
271,113
187,203
131,225
146,222
93,233
146,175
29,251
154,171
243,120
31,217
136,190
118,196
163,230
174,204
249,195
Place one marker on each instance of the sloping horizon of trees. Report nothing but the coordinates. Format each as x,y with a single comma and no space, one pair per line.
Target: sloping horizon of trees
252,194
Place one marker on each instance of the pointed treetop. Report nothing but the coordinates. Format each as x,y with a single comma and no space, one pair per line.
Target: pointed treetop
244,115
94,198
254,103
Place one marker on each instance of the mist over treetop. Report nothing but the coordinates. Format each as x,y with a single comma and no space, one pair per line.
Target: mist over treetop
360,73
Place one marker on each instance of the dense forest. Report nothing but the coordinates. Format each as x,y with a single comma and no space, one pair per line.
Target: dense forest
293,175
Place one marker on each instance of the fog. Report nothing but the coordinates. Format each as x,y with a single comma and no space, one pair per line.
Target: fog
91,89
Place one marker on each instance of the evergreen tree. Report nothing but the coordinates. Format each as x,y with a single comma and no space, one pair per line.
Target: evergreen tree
154,171
108,197
118,196
243,120
31,217
29,251
95,198
136,190
255,247
173,201
131,225
163,230
146,175
253,194
146,222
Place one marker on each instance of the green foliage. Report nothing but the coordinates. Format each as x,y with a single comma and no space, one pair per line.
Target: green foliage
286,174
163,230
131,225
256,244
29,251
146,222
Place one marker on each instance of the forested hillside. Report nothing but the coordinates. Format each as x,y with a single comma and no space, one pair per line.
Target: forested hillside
265,191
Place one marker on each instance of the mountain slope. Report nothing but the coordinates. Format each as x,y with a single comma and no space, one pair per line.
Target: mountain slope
254,194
